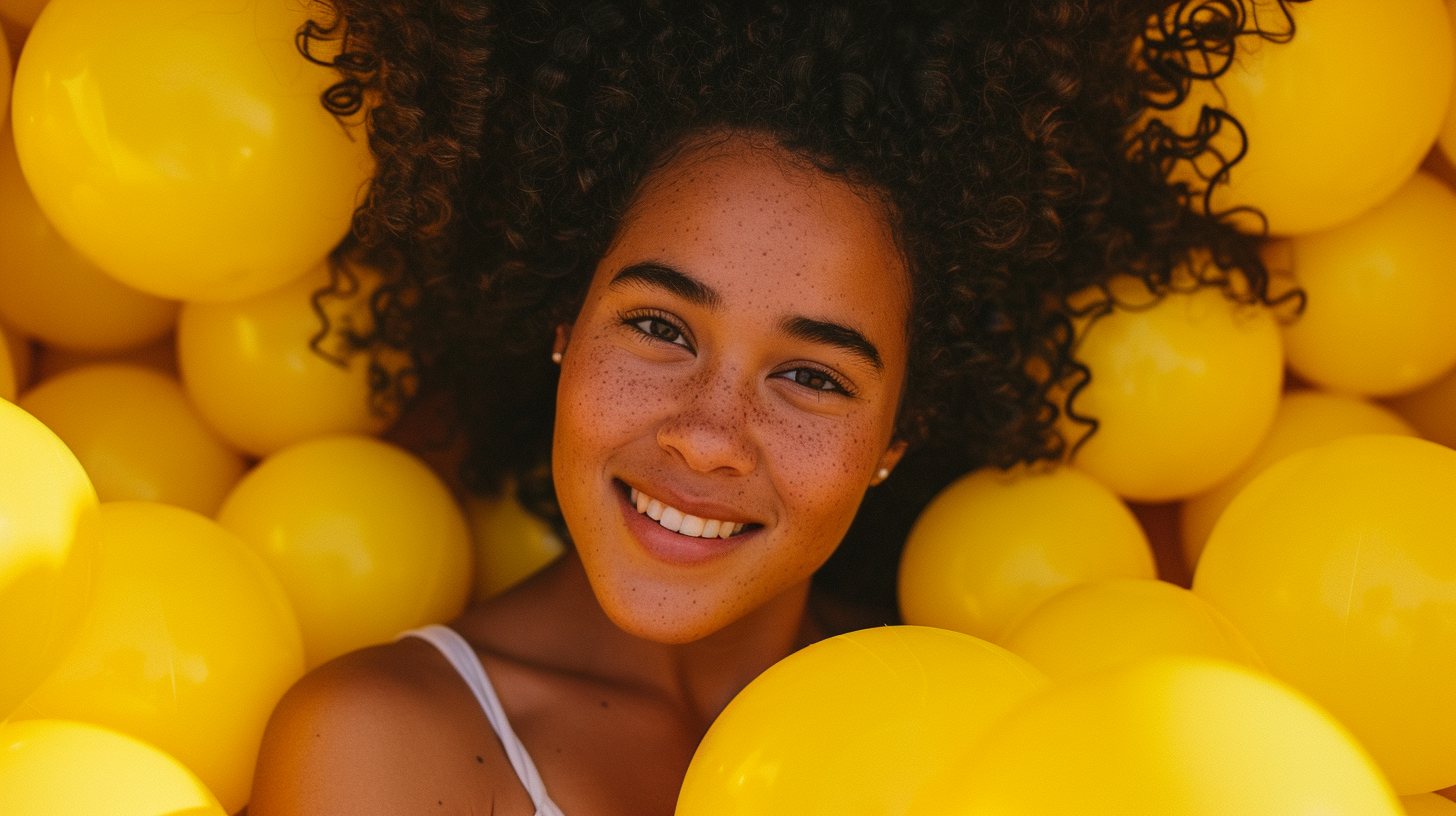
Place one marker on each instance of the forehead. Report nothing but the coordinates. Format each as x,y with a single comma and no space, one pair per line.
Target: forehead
746,218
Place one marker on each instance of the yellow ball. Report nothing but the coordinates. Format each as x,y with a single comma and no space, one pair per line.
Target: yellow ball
994,545
1432,410
1336,119
858,723
52,293
47,547
9,382
1378,318
20,354
62,767
367,540
1183,389
1106,624
1337,563
188,645
138,437
1306,419
1447,138
250,369
510,544
1428,804
20,14
186,151
1172,735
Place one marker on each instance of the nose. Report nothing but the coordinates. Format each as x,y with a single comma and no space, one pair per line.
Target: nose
710,427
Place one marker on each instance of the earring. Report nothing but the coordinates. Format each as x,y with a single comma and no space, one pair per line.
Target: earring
556,357
881,475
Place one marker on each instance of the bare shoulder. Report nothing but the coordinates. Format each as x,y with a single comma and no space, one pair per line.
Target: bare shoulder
388,729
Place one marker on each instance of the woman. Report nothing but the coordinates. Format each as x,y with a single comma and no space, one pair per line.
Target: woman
696,276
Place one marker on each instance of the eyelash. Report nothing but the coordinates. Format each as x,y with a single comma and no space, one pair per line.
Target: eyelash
636,320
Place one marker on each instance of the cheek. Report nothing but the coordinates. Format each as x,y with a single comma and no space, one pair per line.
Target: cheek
821,471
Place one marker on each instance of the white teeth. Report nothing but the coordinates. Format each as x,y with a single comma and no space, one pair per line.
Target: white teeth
680,522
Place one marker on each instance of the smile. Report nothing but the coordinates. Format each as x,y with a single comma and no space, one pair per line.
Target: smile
682,523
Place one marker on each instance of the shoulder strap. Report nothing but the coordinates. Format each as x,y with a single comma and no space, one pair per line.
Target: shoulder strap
462,656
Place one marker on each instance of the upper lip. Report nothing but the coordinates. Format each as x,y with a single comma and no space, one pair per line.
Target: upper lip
702,508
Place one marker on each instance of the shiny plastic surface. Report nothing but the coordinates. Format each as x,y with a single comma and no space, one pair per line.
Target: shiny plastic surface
1173,735
189,644
249,367
138,437
510,543
856,724
994,545
54,767
47,549
50,292
182,146
367,540
1337,563
1183,389
1305,420
1329,135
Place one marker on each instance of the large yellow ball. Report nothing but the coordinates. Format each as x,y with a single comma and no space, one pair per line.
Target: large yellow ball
52,293
1104,624
1306,419
47,548
367,540
138,437
189,644
9,380
250,367
1183,389
1428,804
1379,318
64,767
856,724
1336,118
1338,565
181,144
1432,410
994,545
511,544
1172,735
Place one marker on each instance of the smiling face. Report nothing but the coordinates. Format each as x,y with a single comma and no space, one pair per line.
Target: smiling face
738,359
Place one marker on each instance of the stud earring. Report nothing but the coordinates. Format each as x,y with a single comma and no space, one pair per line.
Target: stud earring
556,357
881,475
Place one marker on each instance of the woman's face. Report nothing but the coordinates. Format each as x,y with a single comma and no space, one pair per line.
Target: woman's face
737,365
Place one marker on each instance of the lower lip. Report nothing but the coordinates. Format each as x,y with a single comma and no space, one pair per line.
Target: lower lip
667,546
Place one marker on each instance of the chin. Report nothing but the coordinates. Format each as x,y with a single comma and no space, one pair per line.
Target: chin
668,614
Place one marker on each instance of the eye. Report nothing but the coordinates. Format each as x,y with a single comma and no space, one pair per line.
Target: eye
658,327
814,379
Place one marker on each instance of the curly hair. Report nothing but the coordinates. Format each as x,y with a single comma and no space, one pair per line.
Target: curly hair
1010,139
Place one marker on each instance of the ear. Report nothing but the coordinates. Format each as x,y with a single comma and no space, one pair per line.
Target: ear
563,335
889,459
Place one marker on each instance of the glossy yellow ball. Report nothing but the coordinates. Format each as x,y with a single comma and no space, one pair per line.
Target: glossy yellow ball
994,545
1337,564
1378,318
181,144
1105,624
60,766
138,437
47,550
1183,389
1184,735
1329,134
250,368
1306,419
367,540
856,724
510,543
1428,804
1432,410
51,293
188,645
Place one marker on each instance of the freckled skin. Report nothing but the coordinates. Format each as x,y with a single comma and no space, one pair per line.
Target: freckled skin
775,240
611,663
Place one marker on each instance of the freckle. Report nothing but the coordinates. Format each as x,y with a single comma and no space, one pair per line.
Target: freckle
480,760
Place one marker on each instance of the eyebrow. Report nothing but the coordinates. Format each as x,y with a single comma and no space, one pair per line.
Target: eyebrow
665,277
803,328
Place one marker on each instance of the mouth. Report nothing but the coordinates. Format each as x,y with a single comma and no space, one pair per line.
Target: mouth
677,536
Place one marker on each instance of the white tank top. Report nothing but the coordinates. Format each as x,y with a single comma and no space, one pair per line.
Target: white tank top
467,663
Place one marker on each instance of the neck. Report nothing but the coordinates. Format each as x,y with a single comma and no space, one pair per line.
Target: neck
554,621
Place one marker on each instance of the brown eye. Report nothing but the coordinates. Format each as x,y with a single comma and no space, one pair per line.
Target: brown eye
659,329
814,379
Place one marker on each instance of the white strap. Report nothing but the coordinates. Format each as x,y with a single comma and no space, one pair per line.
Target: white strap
467,663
